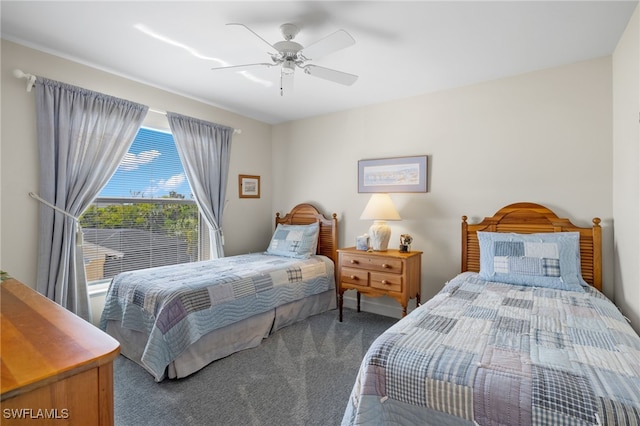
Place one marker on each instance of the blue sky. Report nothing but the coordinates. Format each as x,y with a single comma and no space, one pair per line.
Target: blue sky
150,169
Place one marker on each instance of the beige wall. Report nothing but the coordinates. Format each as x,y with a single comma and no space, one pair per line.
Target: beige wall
247,222
626,166
543,137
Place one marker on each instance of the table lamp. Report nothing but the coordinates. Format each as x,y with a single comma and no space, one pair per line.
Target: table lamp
380,208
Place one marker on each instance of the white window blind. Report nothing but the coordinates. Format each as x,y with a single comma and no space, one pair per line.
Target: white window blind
146,215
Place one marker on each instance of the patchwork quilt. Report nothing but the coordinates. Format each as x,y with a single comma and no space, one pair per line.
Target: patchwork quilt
488,353
176,305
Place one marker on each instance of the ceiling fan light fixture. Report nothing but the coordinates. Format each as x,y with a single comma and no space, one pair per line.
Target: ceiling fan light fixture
288,67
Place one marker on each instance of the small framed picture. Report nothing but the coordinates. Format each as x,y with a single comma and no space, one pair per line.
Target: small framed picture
362,243
249,186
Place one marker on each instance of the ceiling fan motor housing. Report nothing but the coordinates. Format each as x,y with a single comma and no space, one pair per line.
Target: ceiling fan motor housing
288,49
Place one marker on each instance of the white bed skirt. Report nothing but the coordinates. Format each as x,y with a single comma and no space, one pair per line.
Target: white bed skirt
227,340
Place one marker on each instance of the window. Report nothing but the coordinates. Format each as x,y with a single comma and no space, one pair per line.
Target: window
146,215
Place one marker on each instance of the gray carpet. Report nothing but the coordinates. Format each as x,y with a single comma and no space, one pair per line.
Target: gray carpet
301,375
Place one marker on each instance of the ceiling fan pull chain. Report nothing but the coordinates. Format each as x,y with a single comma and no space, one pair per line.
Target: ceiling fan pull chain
281,85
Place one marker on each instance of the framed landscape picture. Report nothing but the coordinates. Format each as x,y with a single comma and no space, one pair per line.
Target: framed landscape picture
401,174
249,186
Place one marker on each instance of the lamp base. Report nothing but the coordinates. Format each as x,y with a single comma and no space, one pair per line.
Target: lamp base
379,235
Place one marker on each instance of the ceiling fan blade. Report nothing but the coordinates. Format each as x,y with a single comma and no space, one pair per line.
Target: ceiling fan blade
331,43
243,66
255,34
331,75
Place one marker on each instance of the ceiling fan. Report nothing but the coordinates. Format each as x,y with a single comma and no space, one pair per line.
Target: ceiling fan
289,55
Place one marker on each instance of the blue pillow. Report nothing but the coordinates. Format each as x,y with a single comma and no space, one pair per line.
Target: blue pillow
299,241
549,260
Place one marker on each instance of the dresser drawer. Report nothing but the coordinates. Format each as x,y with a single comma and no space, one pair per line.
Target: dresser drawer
372,263
391,282
354,276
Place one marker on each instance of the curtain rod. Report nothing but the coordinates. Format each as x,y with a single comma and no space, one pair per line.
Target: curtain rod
31,80
157,111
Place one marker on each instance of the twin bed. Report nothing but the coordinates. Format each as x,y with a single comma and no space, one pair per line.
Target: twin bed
175,320
518,338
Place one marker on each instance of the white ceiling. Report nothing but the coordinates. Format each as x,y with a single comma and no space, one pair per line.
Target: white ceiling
402,48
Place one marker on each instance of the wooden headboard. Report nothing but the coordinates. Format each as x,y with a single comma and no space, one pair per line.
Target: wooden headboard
529,218
304,214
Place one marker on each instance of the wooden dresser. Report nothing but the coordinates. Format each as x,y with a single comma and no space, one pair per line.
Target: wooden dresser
379,273
56,368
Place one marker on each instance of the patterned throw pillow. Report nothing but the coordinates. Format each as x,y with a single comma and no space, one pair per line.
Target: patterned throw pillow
541,260
299,241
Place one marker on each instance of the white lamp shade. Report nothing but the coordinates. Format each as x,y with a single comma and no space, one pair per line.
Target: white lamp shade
379,209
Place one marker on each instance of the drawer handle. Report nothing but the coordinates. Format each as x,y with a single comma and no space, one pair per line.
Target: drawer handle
384,282
384,265
353,277
354,262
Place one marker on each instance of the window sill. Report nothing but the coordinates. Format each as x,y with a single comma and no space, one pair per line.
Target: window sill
98,288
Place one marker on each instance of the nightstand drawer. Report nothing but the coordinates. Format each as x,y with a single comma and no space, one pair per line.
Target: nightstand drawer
354,276
355,261
383,264
373,263
389,282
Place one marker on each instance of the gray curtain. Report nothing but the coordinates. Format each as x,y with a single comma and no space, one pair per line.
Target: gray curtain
205,151
82,137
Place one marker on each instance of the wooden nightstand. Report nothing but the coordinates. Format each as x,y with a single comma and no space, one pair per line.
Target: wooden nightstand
379,273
